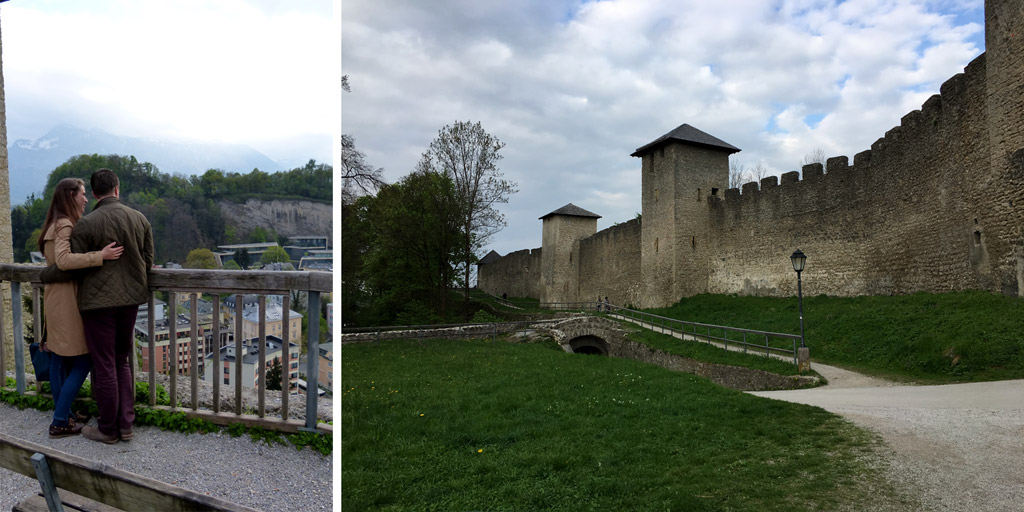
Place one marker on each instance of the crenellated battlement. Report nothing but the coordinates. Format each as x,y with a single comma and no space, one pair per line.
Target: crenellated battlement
935,204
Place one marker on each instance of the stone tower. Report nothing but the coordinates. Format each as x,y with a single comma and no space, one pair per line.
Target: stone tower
560,252
1004,66
680,171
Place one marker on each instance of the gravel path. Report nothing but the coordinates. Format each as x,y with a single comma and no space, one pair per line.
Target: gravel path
956,447
269,478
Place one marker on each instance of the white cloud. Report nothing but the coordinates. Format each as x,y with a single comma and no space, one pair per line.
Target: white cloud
228,70
574,89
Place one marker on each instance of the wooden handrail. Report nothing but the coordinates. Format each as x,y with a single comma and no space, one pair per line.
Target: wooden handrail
105,484
193,282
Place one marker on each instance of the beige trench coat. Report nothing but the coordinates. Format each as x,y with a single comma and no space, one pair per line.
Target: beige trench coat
64,332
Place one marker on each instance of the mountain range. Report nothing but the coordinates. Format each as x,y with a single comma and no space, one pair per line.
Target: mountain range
31,161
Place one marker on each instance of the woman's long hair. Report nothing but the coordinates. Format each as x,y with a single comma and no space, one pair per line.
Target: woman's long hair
62,205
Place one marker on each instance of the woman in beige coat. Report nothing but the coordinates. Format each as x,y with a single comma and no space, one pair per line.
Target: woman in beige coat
65,337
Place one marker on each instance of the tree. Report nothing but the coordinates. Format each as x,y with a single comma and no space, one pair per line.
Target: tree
274,375
401,249
357,176
275,254
737,173
814,157
468,155
231,265
243,258
201,258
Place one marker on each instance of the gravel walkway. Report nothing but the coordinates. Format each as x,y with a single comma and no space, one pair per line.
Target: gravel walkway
269,478
956,447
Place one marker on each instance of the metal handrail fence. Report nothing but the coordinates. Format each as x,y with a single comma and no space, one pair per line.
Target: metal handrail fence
710,333
572,306
193,283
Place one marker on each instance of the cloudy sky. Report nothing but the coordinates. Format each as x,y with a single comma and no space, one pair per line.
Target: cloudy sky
256,72
573,87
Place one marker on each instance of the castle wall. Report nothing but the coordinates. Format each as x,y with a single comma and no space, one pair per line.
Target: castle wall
677,179
902,219
515,275
937,204
1003,202
608,264
560,260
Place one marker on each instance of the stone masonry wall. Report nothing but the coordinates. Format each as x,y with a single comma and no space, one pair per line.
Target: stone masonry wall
608,264
936,204
902,219
517,275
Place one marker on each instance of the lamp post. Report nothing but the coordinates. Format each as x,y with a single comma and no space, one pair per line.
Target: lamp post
799,259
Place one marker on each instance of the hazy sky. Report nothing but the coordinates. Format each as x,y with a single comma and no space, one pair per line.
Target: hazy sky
573,87
256,72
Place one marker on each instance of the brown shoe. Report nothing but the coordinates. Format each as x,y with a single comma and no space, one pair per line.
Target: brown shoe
127,434
80,418
94,434
72,429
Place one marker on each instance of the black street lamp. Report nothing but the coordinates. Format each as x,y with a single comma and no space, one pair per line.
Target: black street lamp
799,260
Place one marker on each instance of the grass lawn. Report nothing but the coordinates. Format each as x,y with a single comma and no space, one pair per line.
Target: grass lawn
925,337
479,425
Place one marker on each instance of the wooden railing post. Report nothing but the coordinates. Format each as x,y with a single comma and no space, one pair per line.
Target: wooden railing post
172,345
312,359
216,372
286,323
193,350
152,348
19,338
238,352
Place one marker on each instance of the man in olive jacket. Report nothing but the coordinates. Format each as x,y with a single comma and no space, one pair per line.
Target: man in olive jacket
109,299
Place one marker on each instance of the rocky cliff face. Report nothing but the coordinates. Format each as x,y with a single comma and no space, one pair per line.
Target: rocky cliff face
287,218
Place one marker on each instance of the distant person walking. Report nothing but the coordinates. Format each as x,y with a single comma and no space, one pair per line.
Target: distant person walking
64,335
109,299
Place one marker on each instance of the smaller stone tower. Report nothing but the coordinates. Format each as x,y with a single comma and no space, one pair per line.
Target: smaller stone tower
560,251
680,171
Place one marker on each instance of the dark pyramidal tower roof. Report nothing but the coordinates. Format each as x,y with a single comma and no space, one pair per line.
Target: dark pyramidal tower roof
688,135
490,258
571,210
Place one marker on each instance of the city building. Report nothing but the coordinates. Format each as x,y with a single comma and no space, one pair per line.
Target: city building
250,361
275,324
326,374
170,351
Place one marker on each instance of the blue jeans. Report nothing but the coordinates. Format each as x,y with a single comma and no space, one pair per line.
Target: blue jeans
66,377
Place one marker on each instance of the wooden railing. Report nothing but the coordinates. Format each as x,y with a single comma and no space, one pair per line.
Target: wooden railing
195,282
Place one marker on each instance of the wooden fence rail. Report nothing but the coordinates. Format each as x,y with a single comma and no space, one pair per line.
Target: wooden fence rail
193,283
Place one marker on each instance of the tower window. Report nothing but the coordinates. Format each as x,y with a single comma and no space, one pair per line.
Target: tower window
977,238
698,195
655,245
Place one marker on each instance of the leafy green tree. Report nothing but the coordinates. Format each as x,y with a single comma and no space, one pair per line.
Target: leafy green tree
231,265
243,258
274,375
466,154
257,235
201,258
411,232
275,254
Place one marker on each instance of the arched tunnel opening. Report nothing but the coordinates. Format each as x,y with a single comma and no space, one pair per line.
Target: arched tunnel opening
591,345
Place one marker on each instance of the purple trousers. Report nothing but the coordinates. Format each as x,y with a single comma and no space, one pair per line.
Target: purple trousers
110,336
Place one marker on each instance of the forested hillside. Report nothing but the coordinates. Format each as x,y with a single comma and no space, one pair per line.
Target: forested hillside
182,210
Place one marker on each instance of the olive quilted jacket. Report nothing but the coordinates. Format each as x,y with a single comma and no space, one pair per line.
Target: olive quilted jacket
120,282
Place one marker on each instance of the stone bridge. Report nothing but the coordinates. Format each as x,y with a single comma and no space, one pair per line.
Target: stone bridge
601,336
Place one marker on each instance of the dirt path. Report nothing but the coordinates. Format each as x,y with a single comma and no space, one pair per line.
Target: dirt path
957,447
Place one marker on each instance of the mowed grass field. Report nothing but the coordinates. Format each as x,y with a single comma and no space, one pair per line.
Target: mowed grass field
481,425
928,338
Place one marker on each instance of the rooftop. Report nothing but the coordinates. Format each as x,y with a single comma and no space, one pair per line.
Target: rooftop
571,210
688,135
